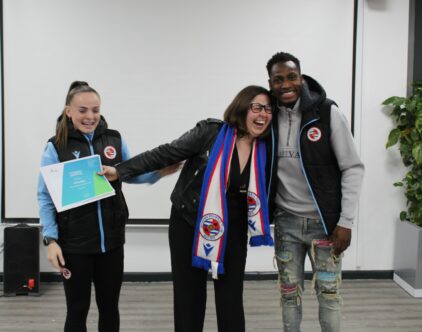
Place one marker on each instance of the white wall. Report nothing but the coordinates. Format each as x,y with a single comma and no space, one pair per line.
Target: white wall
382,70
159,68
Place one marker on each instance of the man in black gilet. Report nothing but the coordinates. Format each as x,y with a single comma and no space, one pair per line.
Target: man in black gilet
315,192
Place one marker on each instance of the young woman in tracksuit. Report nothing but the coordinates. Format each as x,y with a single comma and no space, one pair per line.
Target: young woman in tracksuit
87,240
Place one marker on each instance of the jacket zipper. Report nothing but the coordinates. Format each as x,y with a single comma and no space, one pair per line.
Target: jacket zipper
100,216
306,176
290,127
272,161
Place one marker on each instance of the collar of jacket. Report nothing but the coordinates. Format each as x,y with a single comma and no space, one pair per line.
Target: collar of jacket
101,128
311,97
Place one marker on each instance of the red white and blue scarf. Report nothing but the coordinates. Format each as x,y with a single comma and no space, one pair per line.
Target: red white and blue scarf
212,223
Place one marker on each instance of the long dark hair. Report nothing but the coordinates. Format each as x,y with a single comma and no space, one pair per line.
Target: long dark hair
62,129
237,111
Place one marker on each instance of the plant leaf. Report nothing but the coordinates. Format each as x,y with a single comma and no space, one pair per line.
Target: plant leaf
403,215
418,123
406,114
417,153
395,101
393,137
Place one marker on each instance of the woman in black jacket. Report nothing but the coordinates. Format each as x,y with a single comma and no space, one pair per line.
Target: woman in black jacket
220,193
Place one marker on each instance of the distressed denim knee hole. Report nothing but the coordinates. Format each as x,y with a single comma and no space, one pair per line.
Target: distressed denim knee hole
284,256
326,282
324,258
291,294
330,300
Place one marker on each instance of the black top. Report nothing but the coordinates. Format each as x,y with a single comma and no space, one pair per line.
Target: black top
237,198
238,182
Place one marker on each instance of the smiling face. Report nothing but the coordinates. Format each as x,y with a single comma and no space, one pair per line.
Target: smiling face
84,111
256,123
285,82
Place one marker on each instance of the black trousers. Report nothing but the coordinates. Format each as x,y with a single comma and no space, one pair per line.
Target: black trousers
190,283
106,272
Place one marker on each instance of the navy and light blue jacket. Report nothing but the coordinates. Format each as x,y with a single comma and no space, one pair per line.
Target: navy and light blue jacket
96,227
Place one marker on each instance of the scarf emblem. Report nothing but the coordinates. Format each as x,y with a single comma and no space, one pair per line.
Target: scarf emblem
211,227
254,204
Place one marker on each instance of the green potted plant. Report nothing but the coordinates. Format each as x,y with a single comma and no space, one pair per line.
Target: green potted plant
407,134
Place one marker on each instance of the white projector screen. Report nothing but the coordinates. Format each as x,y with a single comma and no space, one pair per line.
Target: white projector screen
160,66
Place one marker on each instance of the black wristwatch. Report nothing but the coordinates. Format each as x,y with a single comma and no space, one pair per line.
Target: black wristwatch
48,240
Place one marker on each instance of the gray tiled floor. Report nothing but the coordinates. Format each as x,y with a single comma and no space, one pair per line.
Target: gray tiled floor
369,305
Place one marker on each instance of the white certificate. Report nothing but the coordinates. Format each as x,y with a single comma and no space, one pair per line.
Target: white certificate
76,182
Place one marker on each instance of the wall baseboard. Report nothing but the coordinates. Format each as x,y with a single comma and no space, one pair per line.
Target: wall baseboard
166,276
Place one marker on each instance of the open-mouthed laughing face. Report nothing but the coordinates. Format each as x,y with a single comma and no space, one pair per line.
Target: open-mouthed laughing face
84,111
259,115
285,82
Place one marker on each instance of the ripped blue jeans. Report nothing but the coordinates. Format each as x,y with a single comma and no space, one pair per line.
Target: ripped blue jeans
296,237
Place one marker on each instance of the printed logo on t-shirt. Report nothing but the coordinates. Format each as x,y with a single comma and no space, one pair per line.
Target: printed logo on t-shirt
314,134
285,152
110,152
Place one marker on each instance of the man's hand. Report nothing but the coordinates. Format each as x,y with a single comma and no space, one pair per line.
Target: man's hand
110,173
341,239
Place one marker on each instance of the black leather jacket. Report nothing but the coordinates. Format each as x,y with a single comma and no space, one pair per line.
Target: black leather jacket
194,146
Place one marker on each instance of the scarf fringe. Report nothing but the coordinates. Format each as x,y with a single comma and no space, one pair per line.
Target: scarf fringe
205,264
261,240
201,263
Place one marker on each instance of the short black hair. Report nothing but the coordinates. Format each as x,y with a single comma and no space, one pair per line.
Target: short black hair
282,57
